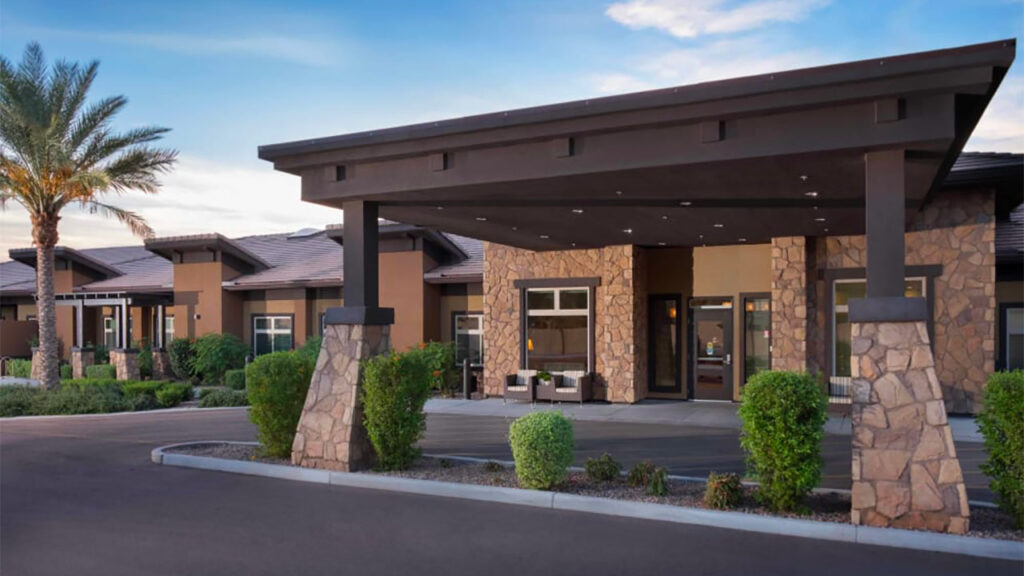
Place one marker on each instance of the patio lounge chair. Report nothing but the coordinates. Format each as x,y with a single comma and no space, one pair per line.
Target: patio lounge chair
569,386
521,386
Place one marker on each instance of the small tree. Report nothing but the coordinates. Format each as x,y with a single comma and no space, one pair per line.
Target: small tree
395,388
1002,424
55,151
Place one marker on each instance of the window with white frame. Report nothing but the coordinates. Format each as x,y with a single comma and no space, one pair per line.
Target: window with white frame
469,337
109,332
1014,322
272,334
168,330
842,292
558,329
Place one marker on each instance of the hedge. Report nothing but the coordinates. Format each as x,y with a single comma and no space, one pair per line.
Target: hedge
217,397
783,415
235,379
395,388
542,444
276,385
216,354
101,372
91,395
19,368
1001,422
66,372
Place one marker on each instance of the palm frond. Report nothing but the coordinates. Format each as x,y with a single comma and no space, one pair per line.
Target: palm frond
136,223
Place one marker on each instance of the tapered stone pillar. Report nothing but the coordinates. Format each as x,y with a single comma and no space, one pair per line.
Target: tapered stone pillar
37,359
126,363
81,358
162,365
331,433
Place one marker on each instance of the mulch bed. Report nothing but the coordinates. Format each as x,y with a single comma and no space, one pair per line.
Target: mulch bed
824,507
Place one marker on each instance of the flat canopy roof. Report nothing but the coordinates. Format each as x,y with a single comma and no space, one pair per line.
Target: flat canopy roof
713,163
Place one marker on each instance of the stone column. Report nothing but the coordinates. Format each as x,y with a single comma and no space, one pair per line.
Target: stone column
126,363
905,470
81,358
162,365
331,434
790,302
37,357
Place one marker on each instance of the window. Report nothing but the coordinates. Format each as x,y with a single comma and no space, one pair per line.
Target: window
469,337
842,292
1014,330
109,332
558,329
323,323
271,334
168,330
757,335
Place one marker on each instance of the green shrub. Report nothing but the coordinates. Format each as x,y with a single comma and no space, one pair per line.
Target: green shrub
132,389
542,444
440,360
277,384
312,348
235,379
101,372
217,397
88,399
66,372
216,354
783,416
93,383
395,388
19,368
17,400
640,474
492,467
182,355
145,360
101,355
171,394
658,486
723,491
602,469
1001,422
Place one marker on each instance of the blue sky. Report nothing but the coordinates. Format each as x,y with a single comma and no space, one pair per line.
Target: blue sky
229,76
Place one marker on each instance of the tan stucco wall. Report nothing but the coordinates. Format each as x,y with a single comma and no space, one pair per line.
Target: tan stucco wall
25,310
402,288
287,302
731,271
198,291
473,301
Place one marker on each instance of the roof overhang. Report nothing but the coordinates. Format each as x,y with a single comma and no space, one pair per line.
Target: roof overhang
87,264
171,246
393,235
752,158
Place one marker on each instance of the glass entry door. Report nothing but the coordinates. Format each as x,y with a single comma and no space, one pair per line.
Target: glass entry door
712,354
665,343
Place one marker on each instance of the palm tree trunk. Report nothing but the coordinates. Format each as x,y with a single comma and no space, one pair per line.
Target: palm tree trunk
45,233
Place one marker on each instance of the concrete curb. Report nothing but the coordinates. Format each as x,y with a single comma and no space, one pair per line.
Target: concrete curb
195,410
890,537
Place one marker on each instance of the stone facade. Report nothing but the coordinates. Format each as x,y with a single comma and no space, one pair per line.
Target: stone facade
620,311
331,433
957,230
792,302
162,365
81,358
126,363
905,470
37,358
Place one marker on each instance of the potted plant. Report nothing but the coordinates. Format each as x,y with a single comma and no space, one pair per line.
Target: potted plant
544,377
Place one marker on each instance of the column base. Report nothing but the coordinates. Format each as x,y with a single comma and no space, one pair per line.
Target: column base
331,434
81,358
126,363
162,365
905,470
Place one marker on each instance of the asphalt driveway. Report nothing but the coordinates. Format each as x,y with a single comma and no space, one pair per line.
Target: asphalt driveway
80,496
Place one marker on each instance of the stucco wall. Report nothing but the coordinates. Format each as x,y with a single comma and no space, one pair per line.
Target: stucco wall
472,301
670,272
619,308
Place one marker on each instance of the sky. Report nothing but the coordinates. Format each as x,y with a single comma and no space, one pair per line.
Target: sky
228,76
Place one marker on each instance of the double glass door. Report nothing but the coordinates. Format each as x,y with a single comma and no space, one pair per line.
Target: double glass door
711,354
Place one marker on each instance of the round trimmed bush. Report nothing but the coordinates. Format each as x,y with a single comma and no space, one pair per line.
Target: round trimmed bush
277,384
783,416
395,388
603,468
542,444
1002,424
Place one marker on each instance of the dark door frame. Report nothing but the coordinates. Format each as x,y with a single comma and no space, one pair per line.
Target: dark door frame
1004,307
651,387
691,335
744,296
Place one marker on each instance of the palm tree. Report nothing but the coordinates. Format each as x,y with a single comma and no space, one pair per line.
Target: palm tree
55,151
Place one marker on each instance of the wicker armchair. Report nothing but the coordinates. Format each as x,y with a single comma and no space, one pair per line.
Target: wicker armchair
569,386
521,386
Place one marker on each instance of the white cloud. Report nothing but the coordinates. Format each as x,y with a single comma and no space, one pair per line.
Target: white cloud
692,18
198,197
1001,128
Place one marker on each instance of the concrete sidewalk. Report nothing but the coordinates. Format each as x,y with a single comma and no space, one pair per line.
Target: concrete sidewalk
705,414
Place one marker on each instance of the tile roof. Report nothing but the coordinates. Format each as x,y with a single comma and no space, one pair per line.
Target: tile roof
473,266
1010,238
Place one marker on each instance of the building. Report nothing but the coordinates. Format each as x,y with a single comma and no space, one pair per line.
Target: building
672,242
271,291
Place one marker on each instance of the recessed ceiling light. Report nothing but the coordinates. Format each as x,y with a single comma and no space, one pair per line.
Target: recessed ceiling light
661,243
811,194
577,210
618,192
664,217
685,203
803,177
627,230
544,236
440,207
819,219
717,225
481,219
573,244
826,229
741,239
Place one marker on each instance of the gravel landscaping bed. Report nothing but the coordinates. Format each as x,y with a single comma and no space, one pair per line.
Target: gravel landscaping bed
824,507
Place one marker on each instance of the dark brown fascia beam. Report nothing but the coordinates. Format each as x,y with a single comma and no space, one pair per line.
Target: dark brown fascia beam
888,69
454,279
281,285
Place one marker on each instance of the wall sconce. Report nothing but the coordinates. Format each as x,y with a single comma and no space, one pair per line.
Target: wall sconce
529,344
672,313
